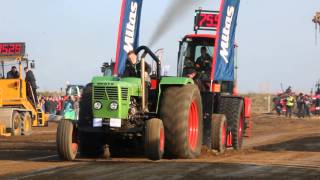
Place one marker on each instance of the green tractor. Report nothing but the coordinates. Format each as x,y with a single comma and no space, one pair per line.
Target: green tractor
176,120
114,112
173,117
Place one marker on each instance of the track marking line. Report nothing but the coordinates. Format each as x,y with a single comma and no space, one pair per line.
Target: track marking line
42,158
32,159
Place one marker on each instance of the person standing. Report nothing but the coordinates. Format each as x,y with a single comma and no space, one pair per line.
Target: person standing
69,112
300,106
47,105
76,106
317,103
307,102
42,104
31,86
289,105
59,105
277,104
51,105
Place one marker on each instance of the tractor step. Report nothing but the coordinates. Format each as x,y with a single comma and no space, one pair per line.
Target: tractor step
40,118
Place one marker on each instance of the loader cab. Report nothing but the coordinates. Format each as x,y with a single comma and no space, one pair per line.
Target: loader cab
18,63
190,51
12,85
15,104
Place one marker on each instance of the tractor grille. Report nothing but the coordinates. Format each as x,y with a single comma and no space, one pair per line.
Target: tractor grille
124,93
110,93
99,93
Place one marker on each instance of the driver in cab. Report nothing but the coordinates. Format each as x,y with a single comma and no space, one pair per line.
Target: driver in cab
133,67
204,63
13,73
192,73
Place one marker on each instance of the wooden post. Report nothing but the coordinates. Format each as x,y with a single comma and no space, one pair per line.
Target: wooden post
269,104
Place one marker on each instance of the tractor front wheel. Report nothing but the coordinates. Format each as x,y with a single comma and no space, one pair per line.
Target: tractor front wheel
67,143
154,139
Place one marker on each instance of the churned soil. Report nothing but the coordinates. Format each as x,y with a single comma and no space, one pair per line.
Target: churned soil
279,148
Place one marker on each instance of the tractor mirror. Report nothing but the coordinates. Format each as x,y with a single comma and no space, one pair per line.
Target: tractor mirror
107,69
32,65
103,69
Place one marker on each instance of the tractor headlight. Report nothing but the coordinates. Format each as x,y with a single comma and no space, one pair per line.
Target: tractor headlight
97,105
113,105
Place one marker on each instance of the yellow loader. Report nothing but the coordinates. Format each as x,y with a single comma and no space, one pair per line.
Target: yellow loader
18,112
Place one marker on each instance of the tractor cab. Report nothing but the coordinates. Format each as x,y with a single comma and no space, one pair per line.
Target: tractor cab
190,57
196,51
190,53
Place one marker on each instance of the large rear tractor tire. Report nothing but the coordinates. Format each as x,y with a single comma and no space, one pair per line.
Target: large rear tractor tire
16,124
219,132
26,126
233,109
154,139
181,112
67,143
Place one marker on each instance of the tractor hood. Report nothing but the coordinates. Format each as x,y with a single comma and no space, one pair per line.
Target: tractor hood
128,82
111,92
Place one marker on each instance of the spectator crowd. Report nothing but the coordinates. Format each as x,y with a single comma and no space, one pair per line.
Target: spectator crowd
302,105
67,106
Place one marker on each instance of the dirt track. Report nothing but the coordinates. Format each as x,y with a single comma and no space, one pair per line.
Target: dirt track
280,148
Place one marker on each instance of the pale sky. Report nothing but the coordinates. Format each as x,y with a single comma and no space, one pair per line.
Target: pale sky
69,39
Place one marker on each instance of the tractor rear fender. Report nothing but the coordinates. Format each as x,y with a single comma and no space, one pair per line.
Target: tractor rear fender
169,82
247,107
